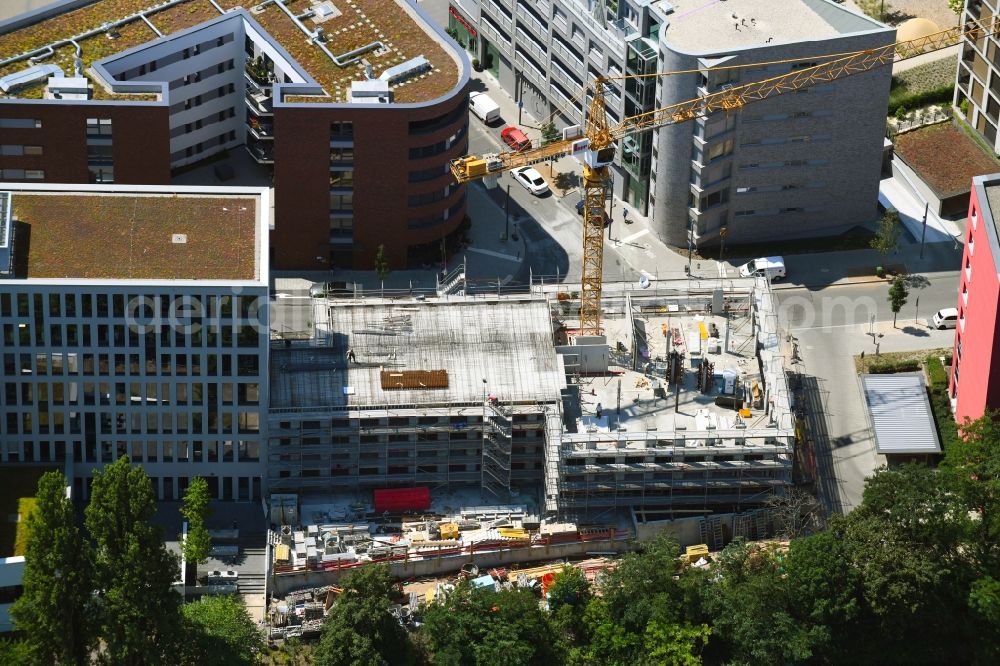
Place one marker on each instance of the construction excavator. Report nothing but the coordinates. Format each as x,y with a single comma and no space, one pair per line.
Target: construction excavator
594,144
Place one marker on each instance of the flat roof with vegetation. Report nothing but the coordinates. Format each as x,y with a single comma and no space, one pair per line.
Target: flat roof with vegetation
944,157
360,22
136,236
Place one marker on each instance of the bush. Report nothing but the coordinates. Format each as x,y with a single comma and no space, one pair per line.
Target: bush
904,101
476,65
889,367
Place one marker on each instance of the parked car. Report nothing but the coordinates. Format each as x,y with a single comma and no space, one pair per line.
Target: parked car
332,290
946,318
772,267
515,138
483,107
531,179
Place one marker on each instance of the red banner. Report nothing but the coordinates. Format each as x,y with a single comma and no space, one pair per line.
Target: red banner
465,24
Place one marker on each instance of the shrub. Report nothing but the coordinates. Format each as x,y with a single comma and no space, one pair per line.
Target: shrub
889,367
933,96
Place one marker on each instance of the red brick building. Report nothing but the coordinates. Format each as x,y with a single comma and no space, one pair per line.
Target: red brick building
356,107
974,384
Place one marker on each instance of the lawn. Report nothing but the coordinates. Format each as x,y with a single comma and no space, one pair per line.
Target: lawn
944,157
18,485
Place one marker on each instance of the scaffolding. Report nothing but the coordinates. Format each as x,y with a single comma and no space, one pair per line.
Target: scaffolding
496,451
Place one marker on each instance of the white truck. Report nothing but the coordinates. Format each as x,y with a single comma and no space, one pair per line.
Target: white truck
771,267
483,107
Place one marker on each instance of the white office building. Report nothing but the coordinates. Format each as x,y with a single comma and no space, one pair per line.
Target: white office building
134,323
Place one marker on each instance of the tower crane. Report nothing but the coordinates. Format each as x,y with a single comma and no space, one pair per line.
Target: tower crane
595,144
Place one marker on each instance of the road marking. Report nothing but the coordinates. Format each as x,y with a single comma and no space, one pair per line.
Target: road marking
636,235
498,255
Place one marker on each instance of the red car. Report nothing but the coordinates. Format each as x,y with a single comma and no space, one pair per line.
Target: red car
515,138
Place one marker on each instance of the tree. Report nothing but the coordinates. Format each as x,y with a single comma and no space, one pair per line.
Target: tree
824,593
956,5
55,611
889,231
973,468
196,511
381,263
220,632
898,293
568,596
359,629
796,513
753,622
16,652
550,133
138,610
484,627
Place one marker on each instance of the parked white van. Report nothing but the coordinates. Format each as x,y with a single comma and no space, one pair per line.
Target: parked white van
772,267
483,106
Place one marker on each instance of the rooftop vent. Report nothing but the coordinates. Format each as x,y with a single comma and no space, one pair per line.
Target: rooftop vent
325,11
405,70
60,87
370,92
179,239
28,76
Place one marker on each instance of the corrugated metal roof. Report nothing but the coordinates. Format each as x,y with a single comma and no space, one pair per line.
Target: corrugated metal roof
900,413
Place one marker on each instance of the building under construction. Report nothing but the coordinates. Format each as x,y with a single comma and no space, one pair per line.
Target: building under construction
680,408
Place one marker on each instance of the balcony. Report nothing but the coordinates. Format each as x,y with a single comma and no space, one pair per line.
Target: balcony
260,130
524,39
526,17
260,102
262,153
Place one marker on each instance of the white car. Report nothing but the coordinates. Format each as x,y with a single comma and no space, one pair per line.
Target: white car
531,179
946,318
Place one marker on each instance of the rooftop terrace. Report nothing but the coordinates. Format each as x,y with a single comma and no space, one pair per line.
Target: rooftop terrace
509,343
352,24
130,235
697,26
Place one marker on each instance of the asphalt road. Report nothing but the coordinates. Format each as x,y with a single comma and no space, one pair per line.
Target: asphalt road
830,327
843,306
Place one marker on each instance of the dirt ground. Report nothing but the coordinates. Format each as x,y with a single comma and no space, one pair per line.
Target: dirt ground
902,10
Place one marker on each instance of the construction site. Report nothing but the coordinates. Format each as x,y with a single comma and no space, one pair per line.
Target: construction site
441,433
680,408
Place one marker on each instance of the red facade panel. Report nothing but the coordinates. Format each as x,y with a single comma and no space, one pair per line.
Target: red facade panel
974,384
397,500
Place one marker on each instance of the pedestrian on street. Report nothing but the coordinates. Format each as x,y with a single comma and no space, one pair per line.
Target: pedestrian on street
625,214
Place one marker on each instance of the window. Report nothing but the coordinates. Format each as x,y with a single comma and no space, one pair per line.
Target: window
20,123
720,149
34,174
341,128
342,154
98,126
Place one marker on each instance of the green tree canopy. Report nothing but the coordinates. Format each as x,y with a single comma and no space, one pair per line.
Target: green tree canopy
139,612
898,293
889,230
196,511
359,629
55,612
484,627
219,631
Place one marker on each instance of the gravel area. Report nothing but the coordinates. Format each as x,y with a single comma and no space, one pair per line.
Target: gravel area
902,10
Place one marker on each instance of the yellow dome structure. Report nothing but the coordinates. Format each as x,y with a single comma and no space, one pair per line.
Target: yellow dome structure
916,28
